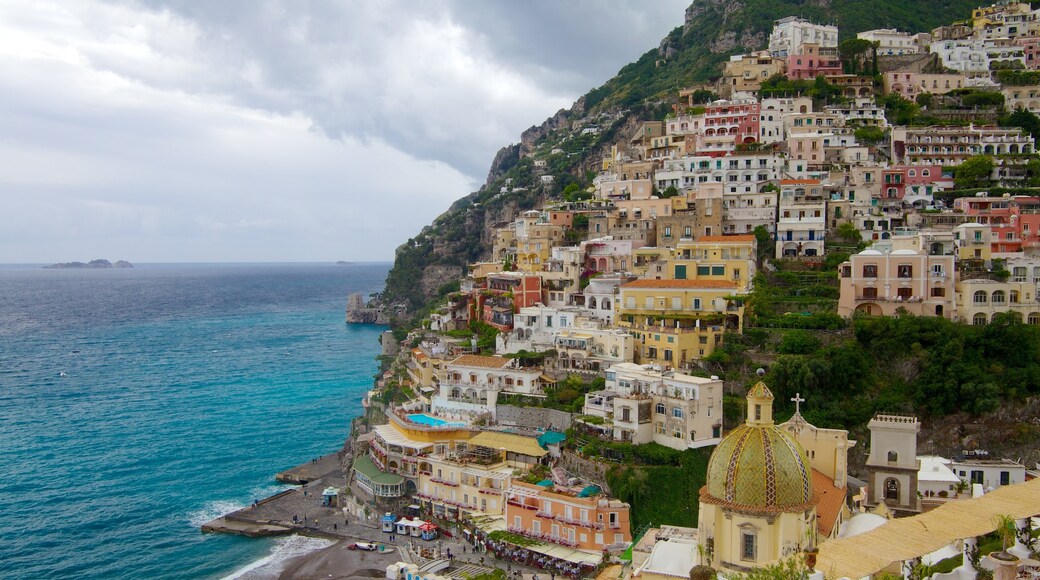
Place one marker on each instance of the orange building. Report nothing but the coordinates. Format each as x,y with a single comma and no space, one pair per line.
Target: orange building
561,517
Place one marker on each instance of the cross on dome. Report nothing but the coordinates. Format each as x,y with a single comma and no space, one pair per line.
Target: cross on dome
798,400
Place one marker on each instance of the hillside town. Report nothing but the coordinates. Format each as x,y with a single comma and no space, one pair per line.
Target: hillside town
894,175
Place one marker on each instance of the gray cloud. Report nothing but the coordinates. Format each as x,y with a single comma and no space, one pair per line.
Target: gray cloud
276,130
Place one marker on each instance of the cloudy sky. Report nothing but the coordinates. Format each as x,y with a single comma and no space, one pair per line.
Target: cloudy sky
277,130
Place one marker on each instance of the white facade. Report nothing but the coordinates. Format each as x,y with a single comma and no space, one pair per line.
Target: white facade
643,405
535,329
974,55
891,41
789,34
991,473
471,384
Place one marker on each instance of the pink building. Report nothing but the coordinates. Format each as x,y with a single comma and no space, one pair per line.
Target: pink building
738,118
1031,44
1014,221
910,182
561,218
813,61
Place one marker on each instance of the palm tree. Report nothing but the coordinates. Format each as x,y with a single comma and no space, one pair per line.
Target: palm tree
1006,530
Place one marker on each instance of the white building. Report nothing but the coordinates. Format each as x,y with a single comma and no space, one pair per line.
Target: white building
642,404
789,34
990,473
975,55
802,223
599,297
535,329
591,349
891,41
471,384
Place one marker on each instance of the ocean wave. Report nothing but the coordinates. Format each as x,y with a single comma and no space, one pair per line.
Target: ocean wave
213,510
283,550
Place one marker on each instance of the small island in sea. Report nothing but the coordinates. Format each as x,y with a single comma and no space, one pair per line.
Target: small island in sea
93,264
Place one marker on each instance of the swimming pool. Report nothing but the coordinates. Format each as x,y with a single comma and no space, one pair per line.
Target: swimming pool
424,419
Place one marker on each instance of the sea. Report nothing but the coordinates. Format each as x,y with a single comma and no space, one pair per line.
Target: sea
138,404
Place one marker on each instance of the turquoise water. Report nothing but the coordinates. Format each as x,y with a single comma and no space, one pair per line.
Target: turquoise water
424,419
137,404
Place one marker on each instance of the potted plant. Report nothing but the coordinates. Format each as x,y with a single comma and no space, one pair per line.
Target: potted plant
1006,530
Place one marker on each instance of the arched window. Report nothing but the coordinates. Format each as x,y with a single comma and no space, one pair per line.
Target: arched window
999,297
980,297
893,456
605,305
1033,318
979,319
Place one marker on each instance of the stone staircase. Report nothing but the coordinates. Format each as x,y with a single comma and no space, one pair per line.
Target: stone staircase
466,570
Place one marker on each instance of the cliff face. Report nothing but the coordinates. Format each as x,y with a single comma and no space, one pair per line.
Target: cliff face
692,53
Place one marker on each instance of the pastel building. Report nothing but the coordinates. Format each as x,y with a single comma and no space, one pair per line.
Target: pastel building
565,518
677,321
471,385
789,34
473,478
745,72
644,404
813,60
909,84
880,284
891,42
980,300
802,223
589,350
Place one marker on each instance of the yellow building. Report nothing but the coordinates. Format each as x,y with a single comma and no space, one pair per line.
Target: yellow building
974,242
980,300
725,258
676,321
759,503
473,477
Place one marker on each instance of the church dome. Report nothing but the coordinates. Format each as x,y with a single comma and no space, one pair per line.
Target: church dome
759,466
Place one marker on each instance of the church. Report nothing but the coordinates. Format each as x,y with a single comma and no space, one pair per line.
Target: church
772,490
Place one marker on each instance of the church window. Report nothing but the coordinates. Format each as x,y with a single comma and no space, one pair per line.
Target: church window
758,412
893,456
747,546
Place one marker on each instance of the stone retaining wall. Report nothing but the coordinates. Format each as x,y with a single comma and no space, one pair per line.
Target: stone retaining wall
533,417
578,466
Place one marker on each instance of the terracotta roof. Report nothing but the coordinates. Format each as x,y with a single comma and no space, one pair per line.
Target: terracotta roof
475,360
831,500
741,238
799,181
679,284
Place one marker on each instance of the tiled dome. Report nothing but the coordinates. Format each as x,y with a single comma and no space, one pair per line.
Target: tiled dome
759,466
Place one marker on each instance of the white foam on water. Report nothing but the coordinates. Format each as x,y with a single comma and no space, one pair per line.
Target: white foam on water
283,550
213,510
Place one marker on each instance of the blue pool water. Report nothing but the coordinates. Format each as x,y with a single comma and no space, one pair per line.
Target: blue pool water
424,419
137,404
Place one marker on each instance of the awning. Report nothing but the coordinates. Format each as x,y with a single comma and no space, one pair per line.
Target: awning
907,538
569,554
512,443
394,437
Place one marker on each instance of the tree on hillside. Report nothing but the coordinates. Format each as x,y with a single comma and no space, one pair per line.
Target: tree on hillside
1024,119
973,172
847,232
765,243
671,191
869,136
